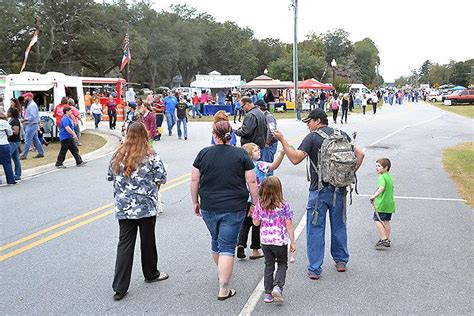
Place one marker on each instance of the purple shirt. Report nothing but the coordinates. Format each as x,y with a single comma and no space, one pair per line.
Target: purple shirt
273,229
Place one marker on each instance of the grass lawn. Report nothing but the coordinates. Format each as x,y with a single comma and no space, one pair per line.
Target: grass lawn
459,163
461,109
89,141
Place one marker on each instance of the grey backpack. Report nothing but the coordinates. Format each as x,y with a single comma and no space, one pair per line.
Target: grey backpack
336,160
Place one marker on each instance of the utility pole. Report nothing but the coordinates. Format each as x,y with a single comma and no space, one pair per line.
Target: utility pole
295,60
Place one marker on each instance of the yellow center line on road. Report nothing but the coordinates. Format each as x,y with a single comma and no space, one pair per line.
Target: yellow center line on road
168,186
173,183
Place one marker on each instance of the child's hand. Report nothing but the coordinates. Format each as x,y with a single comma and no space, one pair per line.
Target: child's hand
292,248
372,199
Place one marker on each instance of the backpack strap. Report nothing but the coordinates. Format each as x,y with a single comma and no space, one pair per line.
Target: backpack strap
324,136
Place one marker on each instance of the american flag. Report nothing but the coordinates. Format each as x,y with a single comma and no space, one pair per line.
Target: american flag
34,39
126,53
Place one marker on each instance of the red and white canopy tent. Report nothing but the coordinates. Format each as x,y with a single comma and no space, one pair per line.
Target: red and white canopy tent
314,85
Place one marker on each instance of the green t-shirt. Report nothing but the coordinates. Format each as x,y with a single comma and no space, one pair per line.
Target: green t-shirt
384,203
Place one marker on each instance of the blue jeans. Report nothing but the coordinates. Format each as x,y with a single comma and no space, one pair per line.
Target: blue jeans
170,120
15,154
97,118
185,127
31,135
224,228
6,161
315,233
77,130
321,104
268,153
196,110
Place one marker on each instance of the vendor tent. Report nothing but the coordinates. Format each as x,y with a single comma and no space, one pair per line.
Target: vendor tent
313,84
265,82
456,88
216,80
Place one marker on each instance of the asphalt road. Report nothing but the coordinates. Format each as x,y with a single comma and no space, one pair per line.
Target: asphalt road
68,268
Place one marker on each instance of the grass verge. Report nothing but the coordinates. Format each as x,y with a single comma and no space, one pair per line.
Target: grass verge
461,109
458,161
89,141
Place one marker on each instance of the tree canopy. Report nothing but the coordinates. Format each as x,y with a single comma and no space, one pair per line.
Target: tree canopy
85,37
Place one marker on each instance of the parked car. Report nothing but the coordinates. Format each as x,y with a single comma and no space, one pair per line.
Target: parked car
462,96
146,91
435,97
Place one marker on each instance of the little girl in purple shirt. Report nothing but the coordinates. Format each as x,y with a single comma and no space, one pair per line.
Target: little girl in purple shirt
275,218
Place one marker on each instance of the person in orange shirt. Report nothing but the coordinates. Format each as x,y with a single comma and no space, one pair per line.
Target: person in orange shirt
88,102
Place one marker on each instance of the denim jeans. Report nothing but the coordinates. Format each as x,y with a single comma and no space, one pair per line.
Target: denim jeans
224,228
97,118
77,130
170,120
15,154
6,161
344,113
322,103
196,110
185,127
31,135
315,233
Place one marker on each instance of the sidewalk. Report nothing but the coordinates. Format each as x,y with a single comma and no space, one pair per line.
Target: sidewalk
112,137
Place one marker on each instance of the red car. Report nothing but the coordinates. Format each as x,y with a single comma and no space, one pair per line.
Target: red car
462,96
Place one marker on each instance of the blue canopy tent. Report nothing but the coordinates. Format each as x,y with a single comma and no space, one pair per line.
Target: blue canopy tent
456,88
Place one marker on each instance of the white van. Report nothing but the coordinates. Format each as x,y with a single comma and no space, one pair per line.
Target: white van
48,90
359,88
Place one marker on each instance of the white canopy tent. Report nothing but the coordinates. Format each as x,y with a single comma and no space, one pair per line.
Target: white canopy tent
215,80
265,82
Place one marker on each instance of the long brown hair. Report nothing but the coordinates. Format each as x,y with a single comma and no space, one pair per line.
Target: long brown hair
270,193
130,154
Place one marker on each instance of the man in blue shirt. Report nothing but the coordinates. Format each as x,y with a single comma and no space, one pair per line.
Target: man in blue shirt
31,127
68,139
170,105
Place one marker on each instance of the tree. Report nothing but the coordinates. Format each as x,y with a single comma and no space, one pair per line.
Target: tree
337,44
309,66
366,58
425,71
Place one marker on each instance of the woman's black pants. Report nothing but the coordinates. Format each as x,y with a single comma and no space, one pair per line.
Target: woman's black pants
126,247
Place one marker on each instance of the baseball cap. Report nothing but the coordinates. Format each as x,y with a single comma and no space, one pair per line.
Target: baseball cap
27,94
261,104
314,115
132,104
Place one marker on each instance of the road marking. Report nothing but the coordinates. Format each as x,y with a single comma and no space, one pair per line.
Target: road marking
170,185
403,128
417,198
259,289
48,229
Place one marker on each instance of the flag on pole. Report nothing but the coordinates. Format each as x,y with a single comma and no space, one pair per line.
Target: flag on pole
126,53
34,39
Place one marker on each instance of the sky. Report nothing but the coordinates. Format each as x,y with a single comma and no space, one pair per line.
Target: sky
406,32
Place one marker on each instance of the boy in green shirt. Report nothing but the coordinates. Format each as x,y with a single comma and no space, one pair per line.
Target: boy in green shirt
383,202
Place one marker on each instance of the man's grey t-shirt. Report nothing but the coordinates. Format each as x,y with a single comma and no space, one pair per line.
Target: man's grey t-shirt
311,145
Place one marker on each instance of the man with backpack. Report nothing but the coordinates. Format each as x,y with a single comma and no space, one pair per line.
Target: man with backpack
332,162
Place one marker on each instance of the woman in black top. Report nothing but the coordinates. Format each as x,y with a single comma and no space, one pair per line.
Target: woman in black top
220,176
15,140
345,107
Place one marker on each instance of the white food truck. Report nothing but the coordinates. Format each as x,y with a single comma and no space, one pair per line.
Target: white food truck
48,90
